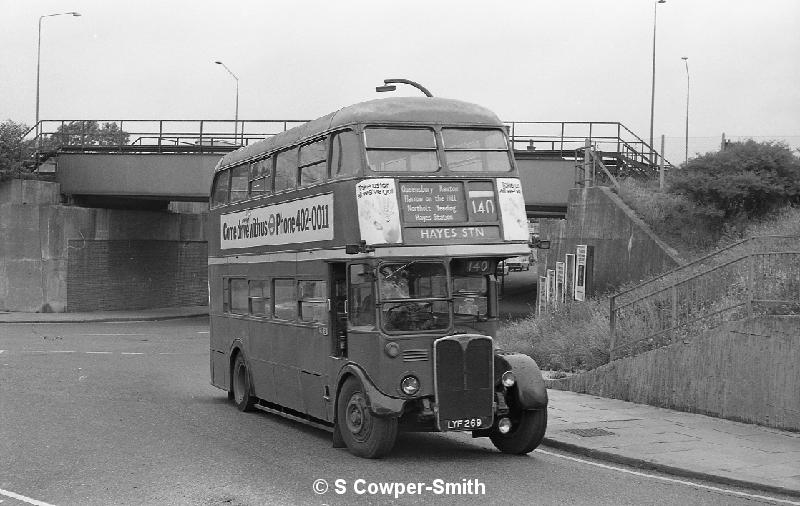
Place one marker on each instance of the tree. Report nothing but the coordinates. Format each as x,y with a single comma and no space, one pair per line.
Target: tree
87,133
14,150
747,178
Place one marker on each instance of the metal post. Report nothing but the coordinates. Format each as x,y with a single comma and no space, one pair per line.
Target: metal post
612,320
686,151
38,68
653,86
661,166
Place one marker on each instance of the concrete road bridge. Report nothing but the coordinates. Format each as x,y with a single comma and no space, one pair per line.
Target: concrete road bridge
144,164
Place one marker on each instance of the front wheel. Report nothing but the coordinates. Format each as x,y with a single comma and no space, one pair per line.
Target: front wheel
365,434
526,433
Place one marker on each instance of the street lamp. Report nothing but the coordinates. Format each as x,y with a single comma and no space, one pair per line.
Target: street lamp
686,62
653,88
388,86
38,61
236,116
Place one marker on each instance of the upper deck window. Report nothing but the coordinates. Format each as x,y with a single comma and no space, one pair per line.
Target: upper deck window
471,150
313,162
261,177
401,149
286,170
240,176
345,154
220,193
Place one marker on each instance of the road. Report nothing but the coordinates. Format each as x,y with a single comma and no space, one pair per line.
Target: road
123,413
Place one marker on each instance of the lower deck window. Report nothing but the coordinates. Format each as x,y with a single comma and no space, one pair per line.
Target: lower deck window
285,306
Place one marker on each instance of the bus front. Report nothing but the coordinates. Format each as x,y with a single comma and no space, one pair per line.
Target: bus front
440,207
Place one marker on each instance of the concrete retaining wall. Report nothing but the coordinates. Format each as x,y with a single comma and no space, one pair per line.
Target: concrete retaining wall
625,249
37,234
745,371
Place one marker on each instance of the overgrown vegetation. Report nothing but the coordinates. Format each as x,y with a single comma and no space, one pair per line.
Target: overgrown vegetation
572,338
749,189
14,150
718,197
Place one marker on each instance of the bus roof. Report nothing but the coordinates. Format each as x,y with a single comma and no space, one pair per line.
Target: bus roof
405,110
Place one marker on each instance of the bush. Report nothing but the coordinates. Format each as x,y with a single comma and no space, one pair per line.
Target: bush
748,179
575,337
13,149
687,225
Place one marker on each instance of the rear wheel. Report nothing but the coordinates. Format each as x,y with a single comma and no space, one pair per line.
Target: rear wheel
241,388
365,434
527,431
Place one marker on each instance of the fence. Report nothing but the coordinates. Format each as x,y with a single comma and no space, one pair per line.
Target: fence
759,275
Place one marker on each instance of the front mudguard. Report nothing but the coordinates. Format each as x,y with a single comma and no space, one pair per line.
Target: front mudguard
379,403
529,392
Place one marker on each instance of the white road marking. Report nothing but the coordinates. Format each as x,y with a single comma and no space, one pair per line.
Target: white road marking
203,332
98,352
22,498
671,480
131,353
1,351
117,334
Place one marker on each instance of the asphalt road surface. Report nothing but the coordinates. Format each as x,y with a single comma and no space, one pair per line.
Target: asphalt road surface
123,413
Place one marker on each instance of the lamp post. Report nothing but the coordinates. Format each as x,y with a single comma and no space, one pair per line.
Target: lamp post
38,61
236,115
686,154
388,86
653,87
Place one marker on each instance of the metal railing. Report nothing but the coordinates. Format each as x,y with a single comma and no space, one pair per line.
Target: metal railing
169,136
563,138
759,275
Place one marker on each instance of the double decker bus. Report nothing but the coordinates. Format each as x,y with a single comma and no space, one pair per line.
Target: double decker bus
352,276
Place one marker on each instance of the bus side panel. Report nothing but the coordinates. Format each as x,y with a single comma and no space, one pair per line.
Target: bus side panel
261,365
285,343
220,361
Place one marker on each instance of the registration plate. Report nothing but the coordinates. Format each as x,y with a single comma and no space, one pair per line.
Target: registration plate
465,424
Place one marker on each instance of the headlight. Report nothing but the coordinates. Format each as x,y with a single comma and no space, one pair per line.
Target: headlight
504,426
409,385
508,379
392,349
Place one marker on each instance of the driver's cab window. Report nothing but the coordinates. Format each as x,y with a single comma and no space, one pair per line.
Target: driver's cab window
361,301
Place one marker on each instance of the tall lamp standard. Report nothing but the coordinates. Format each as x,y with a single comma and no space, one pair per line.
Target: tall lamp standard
39,58
686,154
236,116
388,85
653,88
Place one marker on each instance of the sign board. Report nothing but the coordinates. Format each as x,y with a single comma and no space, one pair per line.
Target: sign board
541,295
299,221
580,272
560,275
569,281
378,214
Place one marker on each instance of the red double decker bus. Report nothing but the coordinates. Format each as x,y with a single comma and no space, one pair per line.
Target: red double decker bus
352,276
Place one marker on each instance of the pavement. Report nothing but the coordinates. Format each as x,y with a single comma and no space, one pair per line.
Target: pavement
638,435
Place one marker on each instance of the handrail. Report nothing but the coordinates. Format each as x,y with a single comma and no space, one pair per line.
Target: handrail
729,284
563,137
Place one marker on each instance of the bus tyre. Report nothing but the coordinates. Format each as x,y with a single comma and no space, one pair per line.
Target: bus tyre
365,434
240,386
525,434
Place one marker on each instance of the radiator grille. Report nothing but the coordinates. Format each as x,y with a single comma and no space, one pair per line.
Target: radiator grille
464,381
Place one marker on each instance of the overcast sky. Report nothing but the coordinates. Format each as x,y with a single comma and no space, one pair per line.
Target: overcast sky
557,60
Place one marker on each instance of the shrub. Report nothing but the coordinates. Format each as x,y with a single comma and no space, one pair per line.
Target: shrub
687,225
747,179
574,337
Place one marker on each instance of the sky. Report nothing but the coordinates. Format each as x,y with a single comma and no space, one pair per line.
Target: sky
531,60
